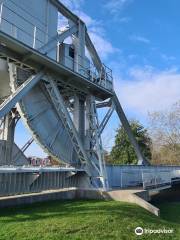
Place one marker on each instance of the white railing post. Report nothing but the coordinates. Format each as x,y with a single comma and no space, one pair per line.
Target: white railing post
34,37
121,178
57,52
1,11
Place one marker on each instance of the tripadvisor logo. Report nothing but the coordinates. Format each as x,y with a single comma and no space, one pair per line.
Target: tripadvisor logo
139,231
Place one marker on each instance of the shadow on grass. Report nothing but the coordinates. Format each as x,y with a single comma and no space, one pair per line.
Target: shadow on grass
170,211
114,210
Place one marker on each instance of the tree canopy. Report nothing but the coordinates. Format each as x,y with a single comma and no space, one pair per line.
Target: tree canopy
123,152
165,133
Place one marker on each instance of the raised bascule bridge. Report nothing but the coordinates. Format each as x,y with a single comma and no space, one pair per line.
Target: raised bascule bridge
52,77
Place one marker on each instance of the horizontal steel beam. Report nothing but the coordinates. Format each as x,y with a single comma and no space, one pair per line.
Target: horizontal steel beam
104,104
58,38
69,15
37,169
65,11
52,43
15,50
20,92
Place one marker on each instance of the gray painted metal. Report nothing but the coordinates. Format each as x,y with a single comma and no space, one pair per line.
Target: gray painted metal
19,180
66,120
15,181
4,81
7,134
31,22
19,93
125,123
30,42
106,119
65,11
16,50
57,38
94,143
31,169
93,53
21,160
29,31
123,176
44,124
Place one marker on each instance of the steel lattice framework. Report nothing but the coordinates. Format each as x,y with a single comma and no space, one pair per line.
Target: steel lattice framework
54,87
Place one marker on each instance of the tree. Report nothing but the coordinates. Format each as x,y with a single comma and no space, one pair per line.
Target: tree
165,134
123,151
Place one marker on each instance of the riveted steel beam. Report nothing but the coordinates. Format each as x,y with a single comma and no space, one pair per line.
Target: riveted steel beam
20,92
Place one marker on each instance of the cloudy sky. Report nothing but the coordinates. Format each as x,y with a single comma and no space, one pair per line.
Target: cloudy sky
139,40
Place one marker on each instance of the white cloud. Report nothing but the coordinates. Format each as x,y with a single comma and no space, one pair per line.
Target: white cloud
103,46
95,29
137,38
115,6
167,58
73,4
149,90
124,20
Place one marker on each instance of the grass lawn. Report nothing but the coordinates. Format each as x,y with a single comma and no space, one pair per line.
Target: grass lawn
86,220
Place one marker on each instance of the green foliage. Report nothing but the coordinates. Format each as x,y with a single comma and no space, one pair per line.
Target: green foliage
123,152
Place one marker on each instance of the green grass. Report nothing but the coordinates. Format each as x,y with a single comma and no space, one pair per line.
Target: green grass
86,220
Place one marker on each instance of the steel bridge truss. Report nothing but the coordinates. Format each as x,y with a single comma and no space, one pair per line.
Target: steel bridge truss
73,96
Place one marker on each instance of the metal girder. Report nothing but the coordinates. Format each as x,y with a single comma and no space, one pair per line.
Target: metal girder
27,144
125,123
95,141
23,149
58,38
37,60
93,53
104,104
65,11
52,43
65,117
20,92
67,33
69,15
1,122
105,120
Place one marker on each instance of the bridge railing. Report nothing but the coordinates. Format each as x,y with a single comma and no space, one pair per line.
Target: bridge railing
147,177
156,179
35,36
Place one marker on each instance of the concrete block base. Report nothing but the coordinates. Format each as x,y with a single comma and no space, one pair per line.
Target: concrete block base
140,197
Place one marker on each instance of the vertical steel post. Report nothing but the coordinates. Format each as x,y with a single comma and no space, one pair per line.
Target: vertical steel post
79,116
34,37
1,11
8,139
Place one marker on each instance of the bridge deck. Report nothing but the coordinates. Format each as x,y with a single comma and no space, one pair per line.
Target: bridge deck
16,51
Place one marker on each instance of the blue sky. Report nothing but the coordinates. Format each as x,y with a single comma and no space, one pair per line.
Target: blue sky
139,40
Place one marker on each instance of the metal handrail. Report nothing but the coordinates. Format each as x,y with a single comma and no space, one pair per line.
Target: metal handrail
104,78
